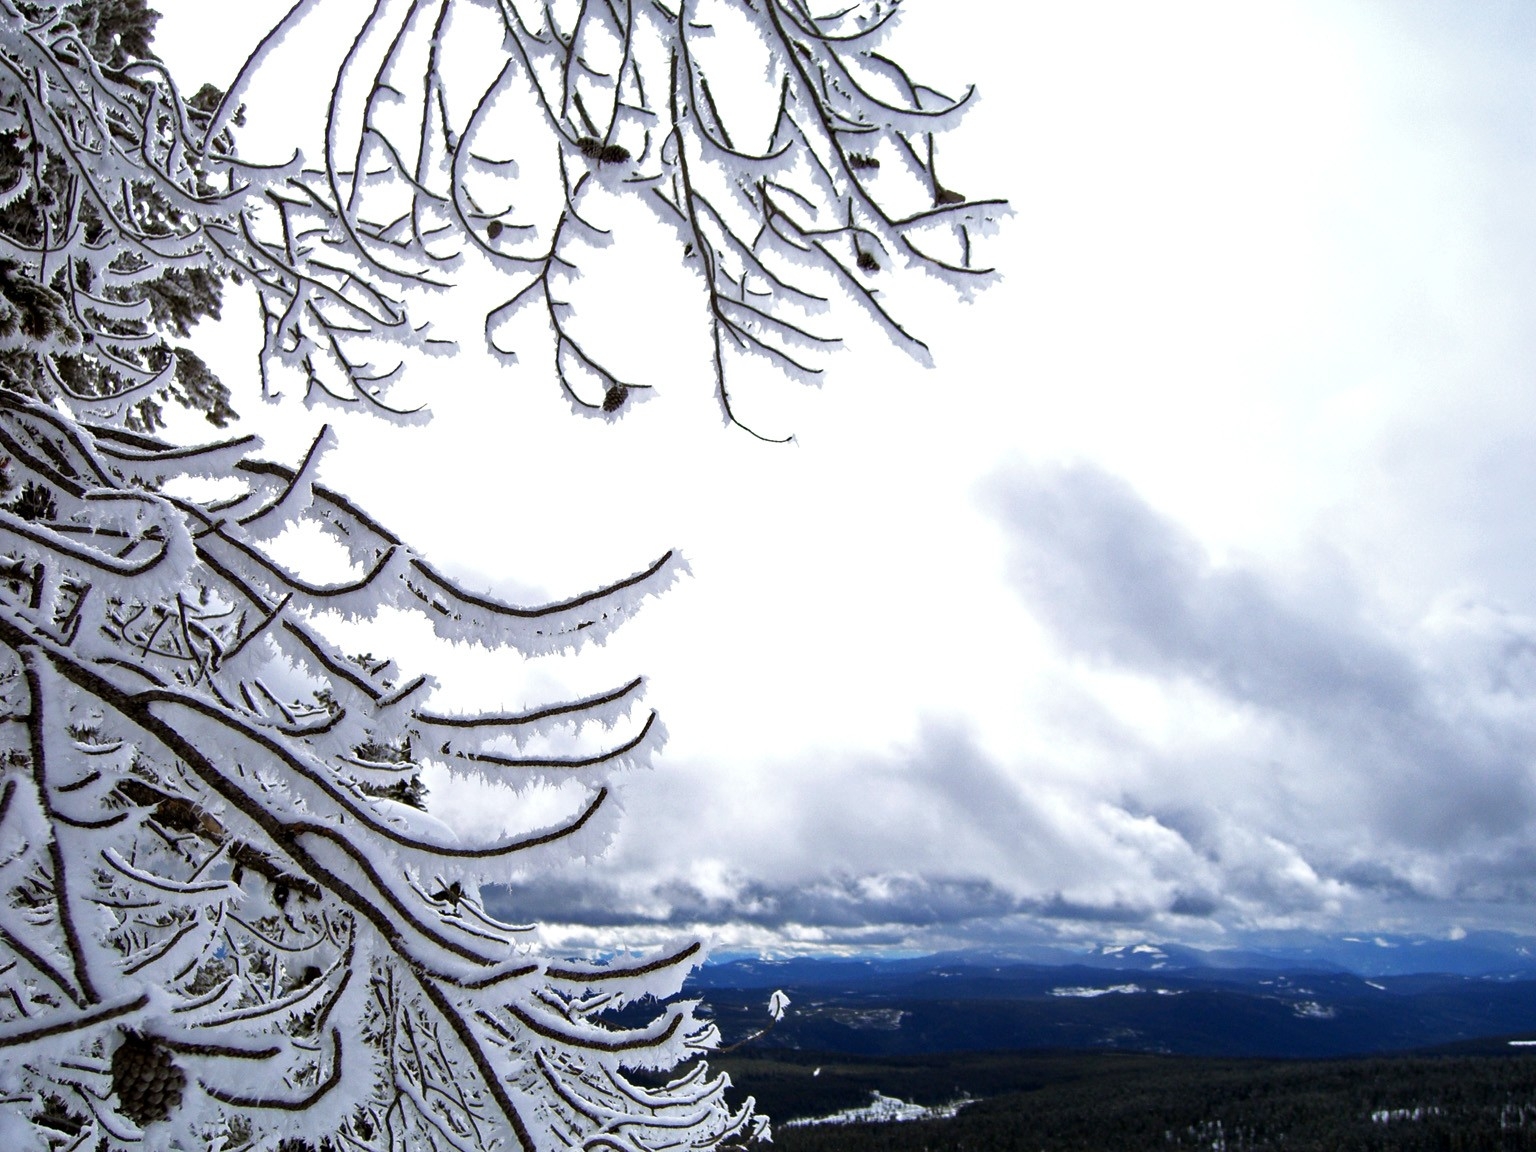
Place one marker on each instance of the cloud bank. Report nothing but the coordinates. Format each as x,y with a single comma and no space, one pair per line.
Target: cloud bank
1229,750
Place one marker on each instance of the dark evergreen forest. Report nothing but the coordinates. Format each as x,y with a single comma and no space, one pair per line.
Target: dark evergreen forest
1130,1102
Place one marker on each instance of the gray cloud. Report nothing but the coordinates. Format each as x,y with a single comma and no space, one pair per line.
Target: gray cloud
938,844
830,902
1120,582
1401,755
933,841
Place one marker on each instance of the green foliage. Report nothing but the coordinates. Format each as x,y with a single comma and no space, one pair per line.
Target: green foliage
181,297
36,502
92,327
411,792
195,387
115,31
31,312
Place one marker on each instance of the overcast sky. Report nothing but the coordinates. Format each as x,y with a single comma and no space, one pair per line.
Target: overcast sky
1189,595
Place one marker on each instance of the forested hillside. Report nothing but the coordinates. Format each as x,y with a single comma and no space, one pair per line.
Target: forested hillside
1054,1102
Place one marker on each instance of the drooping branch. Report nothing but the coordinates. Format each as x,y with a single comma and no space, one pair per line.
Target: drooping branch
513,160
240,799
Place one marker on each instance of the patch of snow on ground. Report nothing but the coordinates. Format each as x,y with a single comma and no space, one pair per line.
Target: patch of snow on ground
1089,993
1388,1115
883,1110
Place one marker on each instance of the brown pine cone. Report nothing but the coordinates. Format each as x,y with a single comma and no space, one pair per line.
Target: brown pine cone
148,1084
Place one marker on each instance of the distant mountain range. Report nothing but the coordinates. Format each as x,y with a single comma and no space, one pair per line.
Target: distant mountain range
1326,997
1468,954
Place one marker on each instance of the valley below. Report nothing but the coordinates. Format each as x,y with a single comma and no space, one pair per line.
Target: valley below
1129,1051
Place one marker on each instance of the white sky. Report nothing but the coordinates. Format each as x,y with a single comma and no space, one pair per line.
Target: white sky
1187,596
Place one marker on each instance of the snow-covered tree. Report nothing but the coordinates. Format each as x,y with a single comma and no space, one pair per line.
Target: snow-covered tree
227,918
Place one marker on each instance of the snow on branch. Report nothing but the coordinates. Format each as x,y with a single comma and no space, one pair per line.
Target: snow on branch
217,876
801,190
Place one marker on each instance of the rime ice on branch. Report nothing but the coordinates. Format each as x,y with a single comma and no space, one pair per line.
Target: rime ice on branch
210,848
791,194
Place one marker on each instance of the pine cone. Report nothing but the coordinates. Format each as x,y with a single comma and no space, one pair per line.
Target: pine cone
148,1084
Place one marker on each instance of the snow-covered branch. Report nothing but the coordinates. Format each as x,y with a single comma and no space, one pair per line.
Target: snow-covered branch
799,194
213,840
